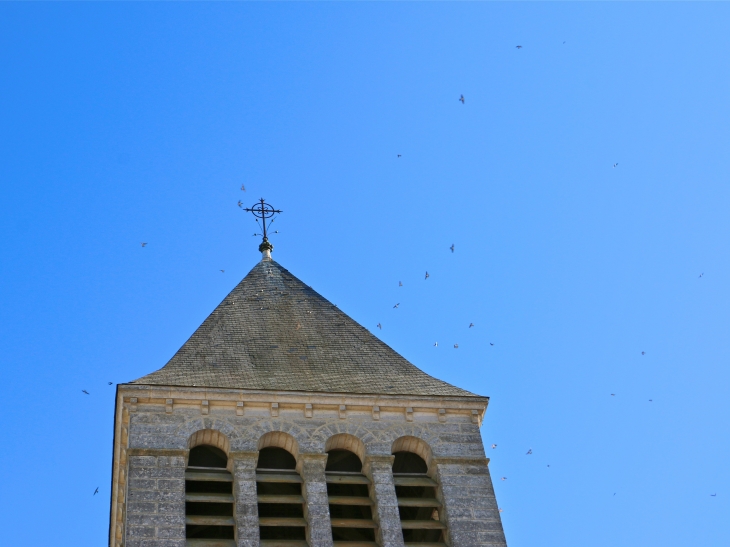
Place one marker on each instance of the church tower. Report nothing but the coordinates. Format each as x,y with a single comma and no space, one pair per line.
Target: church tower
282,422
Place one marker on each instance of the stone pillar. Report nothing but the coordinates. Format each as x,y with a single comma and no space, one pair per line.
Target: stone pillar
156,498
379,469
470,508
246,510
316,507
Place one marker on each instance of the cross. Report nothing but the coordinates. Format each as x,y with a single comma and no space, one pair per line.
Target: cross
263,211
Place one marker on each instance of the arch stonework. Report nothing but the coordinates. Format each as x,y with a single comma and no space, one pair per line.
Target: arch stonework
346,441
279,439
210,437
409,443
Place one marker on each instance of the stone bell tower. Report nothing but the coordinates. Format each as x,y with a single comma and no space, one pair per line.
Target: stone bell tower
282,422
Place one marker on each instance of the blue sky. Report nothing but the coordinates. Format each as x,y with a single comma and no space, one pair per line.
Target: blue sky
125,123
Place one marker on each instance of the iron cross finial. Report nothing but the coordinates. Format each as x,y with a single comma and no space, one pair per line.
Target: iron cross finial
263,211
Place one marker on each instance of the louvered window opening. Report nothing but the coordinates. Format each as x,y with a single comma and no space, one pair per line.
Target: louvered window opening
208,499
351,508
418,505
280,500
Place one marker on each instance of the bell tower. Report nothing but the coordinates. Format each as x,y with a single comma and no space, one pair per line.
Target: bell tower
282,422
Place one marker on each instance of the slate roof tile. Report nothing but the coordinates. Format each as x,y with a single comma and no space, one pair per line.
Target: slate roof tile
251,341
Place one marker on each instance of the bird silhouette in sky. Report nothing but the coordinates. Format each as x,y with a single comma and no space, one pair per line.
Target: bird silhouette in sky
84,391
500,509
456,346
222,271
518,47
240,203
491,343
615,165
399,155
651,400
613,394
494,446
243,188
643,353
461,99
96,491
398,304
503,479
713,495
380,326
427,276
400,283
110,383
436,344
703,273
471,325
144,244
529,452
452,247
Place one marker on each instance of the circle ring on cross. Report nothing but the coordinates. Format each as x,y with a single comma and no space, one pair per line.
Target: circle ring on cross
263,210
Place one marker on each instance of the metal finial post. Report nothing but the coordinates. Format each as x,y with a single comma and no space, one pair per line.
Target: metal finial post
264,211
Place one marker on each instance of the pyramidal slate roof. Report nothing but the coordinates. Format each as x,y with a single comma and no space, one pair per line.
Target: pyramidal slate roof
273,332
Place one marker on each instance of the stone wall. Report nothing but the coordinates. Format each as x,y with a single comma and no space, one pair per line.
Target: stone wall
159,436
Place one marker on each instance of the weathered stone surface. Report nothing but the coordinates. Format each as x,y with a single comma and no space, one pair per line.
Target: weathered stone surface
155,498
246,509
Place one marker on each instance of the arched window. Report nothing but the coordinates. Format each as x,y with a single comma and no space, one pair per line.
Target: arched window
351,510
208,498
419,508
281,505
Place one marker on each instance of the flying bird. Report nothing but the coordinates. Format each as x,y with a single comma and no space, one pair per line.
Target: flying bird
427,276
643,353
240,203
456,346
494,446
380,326
144,244
399,155
110,383
222,271
713,495
613,394
651,400
452,247
471,325
500,509
615,165
398,304
243,188
518,47
548,465
529,452
436,345
96,491
84,391
400,283
461,99
491,343
563,41
503,478
703,273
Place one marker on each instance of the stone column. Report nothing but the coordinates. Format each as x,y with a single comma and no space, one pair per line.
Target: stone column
316,506
470,508
156,498
246,510
379,469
